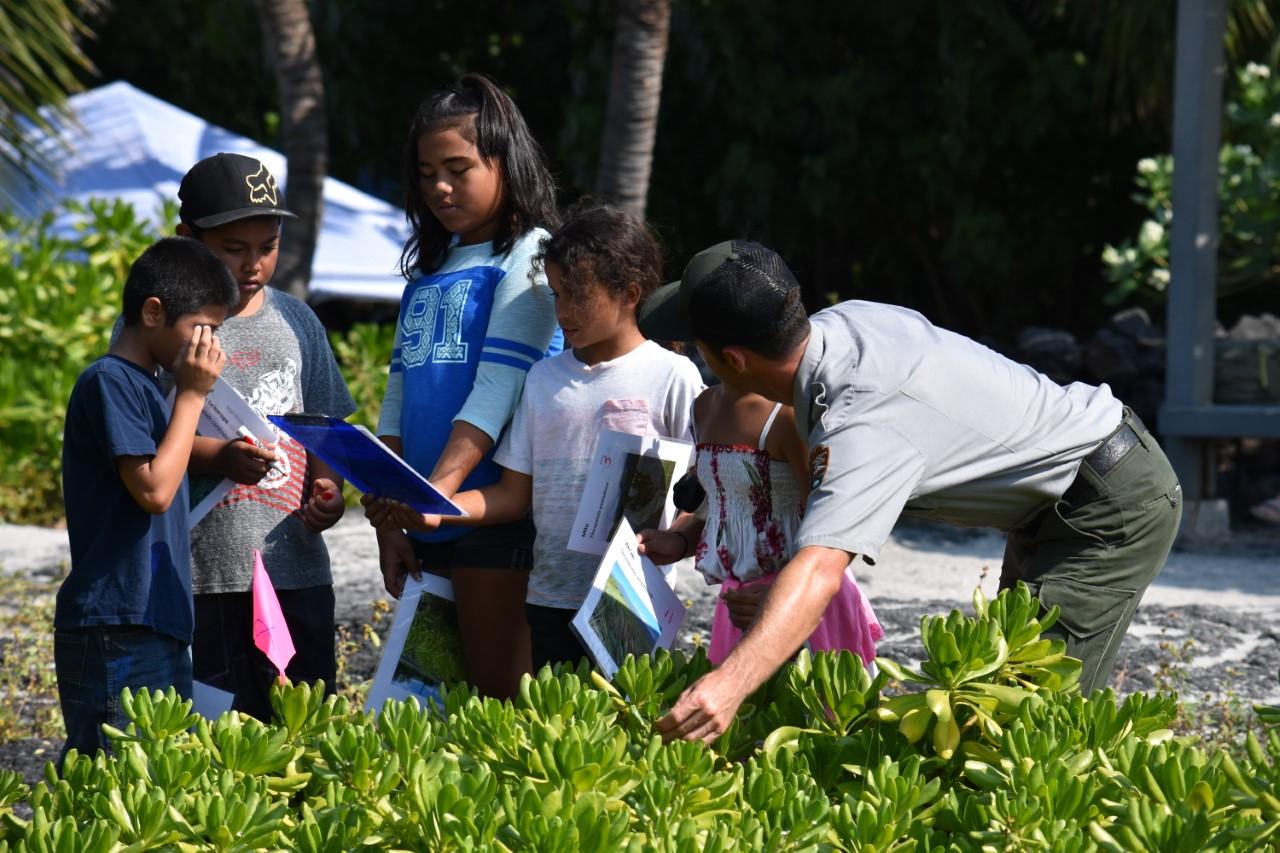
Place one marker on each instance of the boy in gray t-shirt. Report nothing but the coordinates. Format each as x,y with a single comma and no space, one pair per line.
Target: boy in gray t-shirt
279,359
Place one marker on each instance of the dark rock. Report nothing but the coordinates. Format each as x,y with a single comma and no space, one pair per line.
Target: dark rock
1252,327
1151,363
1135,324
1111,357
1053,352
1144,396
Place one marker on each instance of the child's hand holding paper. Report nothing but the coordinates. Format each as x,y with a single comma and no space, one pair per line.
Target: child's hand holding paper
385,513
245,462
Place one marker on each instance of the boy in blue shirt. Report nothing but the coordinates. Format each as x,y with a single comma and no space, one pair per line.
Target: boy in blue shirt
124,613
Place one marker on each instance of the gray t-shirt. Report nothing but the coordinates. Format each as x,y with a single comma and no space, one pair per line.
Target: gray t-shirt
905,417
279,360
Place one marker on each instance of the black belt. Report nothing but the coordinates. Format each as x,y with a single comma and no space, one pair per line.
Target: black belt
1109,453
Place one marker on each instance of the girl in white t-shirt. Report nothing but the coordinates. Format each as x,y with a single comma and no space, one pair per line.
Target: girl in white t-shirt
754,468
601,265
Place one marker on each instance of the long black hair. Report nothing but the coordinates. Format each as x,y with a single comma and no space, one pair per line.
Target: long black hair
485,116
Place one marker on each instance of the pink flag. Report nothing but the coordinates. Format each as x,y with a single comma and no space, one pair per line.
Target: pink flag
270,633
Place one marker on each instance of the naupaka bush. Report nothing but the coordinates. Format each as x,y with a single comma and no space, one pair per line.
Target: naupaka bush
818,759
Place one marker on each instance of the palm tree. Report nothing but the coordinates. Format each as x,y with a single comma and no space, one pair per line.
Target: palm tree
635,90
40,64
286,25
1135,42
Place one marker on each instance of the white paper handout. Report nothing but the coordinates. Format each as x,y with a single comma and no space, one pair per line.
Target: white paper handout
210,702
423,649
630,608
631,478
225,412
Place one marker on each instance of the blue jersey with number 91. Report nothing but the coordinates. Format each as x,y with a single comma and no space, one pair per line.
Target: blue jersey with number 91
446,335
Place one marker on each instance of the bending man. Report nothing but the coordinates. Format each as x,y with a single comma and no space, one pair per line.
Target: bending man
904,417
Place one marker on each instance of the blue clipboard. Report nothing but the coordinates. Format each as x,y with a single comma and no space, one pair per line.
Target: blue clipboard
365,462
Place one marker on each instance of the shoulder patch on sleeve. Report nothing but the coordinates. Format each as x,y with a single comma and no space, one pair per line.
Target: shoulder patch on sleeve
819,456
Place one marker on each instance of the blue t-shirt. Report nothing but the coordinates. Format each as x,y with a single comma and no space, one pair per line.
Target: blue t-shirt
128,567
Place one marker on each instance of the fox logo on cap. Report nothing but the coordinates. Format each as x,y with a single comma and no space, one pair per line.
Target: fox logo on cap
262,187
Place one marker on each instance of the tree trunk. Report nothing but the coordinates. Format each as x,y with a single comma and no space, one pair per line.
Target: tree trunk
635,90
286,25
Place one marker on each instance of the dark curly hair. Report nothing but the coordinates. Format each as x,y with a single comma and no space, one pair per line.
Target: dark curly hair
602,244
487,117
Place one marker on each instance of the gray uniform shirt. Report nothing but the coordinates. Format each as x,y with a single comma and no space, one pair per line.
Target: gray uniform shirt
906,417
279,360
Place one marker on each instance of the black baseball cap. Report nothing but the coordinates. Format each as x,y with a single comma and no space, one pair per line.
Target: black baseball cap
731,293
227,187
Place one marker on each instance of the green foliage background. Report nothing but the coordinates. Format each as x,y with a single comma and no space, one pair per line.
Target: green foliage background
969,159
59,298
1248,207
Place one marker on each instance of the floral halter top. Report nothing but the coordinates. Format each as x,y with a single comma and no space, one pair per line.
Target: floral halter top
753,510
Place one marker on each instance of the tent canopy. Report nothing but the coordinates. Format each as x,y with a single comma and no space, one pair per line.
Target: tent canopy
132,146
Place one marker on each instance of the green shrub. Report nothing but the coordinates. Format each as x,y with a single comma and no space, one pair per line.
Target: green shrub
574,764
1248,202
58,300
364,354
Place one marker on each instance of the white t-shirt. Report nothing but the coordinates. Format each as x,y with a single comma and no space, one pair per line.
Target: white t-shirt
905,417
648,391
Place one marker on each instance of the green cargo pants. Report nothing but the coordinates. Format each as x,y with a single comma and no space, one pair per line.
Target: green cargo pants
1094,552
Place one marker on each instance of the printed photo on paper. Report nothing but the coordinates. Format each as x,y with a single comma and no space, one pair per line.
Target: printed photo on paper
631,478
630,608
423,650
225,412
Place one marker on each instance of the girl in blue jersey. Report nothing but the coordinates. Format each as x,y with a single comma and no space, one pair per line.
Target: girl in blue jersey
602,264
473,319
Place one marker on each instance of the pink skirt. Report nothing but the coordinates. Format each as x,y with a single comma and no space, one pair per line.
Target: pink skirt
848,623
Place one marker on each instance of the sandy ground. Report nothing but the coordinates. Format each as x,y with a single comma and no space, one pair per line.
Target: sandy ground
1203,594
1213,613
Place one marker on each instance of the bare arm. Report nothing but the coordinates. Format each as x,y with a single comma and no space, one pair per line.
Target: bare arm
675,543
795,605
153,481
507,500
467,445
235,458
204,455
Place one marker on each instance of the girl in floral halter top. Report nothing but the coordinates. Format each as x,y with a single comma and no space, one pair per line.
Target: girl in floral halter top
754,467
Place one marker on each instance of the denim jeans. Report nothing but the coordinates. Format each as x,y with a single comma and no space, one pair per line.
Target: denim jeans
94,665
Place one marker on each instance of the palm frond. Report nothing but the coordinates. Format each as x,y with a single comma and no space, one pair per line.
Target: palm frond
41,63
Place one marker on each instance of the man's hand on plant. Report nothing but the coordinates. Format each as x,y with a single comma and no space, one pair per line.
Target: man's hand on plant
704,710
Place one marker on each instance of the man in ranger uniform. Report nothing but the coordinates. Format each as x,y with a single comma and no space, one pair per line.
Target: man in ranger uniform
905,417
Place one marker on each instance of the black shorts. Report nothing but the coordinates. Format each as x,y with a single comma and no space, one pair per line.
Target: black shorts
503,546
554,641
